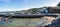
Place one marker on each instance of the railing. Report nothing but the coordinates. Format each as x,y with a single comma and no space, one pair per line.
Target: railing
13,14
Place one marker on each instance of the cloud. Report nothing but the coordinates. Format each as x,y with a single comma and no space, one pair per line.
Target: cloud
8,1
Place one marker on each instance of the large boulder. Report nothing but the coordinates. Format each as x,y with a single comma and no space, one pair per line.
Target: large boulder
55,23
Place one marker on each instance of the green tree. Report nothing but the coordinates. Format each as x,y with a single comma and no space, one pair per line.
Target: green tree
58,4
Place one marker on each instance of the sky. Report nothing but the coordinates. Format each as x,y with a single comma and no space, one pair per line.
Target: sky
17,5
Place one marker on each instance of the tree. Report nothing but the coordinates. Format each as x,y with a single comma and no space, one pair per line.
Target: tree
58,4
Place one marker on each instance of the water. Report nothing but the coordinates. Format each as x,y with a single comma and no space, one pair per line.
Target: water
25,22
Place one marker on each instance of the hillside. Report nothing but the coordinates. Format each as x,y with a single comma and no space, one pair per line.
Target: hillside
32,10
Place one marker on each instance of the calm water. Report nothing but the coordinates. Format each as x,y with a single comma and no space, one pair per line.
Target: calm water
28,22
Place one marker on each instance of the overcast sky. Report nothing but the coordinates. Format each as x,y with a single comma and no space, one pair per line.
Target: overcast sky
13,5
